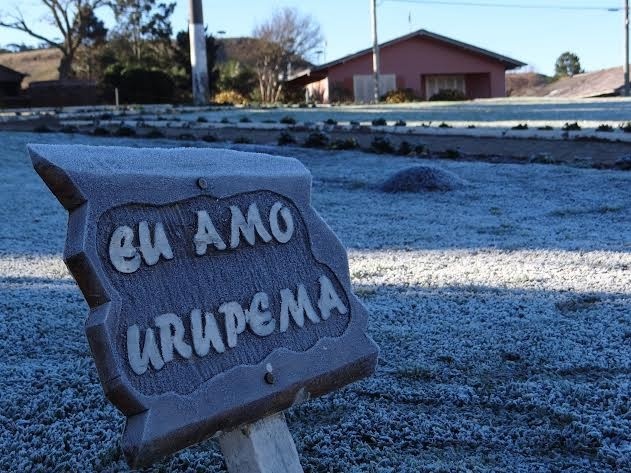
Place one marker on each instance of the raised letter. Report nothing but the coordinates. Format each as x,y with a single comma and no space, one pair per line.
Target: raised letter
204,335
206,234
329,299
298,309
172,336
140,361
240,225
123,255
259,317
281,237
151,252
235,321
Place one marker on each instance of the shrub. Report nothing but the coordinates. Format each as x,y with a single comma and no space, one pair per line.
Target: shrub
521,126
381,145
330,121
140,85
339,93
545,128
451,153
288,120
448,95
245,119
379,122
202,119
230,97
626,127
42,129
347,143
100,131
605,128
444,125
399,96
471,127
571,127
209,138
421,149
125,130
355,123
624,164
68,129
154,133
285,138
405,148
422,179
400,123
316,139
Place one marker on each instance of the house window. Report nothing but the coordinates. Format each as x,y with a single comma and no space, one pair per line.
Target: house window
434,84
364,90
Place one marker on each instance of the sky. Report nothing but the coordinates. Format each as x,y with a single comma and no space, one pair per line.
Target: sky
534,36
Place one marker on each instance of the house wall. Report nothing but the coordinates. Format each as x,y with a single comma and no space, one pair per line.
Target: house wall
319,90
415,57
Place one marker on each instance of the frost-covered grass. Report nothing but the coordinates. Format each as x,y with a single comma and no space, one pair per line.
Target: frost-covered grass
502,310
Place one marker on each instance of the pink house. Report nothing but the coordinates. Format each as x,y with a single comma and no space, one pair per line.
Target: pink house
422,61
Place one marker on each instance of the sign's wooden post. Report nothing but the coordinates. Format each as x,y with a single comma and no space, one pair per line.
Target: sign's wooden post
266,446
218,297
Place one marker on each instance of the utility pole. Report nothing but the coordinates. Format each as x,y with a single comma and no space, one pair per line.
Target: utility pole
375,50
199,67
626,48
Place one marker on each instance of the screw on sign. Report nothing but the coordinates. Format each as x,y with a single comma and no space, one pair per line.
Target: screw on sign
218,297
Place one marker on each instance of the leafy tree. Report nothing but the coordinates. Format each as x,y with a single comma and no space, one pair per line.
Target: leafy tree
235,76
567,65
75,21
143,29
286,37
182,59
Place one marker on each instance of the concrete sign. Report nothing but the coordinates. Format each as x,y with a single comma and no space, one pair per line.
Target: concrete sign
217,295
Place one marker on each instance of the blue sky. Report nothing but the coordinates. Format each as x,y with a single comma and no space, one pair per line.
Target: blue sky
534,36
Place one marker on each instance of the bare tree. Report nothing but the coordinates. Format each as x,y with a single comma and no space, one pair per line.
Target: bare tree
287,36
75,21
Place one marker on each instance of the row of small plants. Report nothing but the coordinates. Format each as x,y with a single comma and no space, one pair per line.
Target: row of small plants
574,126
378,145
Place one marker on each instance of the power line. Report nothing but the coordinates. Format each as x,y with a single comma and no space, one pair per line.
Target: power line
511,5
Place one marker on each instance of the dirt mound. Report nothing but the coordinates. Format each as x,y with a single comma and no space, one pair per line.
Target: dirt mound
422,179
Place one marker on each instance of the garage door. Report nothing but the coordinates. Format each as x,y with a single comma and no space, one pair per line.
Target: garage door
363,88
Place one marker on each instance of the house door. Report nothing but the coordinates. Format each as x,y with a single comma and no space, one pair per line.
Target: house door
434,84
363,88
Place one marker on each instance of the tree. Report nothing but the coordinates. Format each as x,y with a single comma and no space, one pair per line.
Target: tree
145,25
75,20
286,37
567,65
182,59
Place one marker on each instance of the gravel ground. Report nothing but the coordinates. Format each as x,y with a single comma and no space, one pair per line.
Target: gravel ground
502,310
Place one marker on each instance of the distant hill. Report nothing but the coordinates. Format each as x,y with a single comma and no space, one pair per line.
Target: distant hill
244,50
606,82
39,64
525,84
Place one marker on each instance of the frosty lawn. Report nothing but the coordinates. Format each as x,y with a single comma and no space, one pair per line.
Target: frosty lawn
502,309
